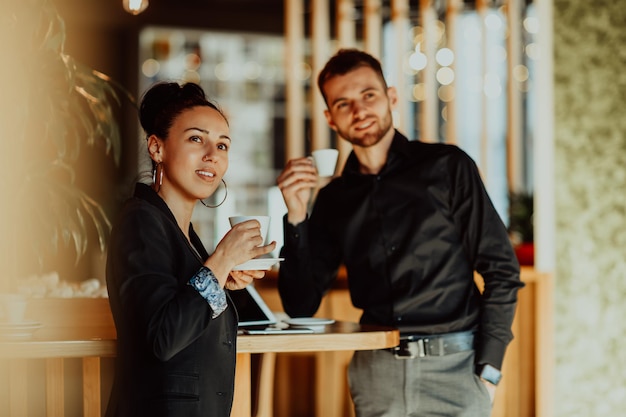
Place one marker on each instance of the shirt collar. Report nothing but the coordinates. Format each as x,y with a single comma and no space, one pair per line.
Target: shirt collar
397,156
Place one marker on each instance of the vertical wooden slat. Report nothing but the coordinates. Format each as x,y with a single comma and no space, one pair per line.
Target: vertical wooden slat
512,389
544,208
515,150
346,30
545,361
373,22
319,49
346,37
265,385
430,106
18,388
481,9
452,15
55,388
294,100
525,356
543,145
242,401
92,404
400,22
329,389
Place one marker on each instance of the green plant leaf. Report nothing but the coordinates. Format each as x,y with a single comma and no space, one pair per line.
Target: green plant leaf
67,108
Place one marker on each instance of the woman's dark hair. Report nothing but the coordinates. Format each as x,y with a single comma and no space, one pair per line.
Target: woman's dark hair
346,60
164,101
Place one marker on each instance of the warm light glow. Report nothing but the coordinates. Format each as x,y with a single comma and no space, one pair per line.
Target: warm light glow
417,32
222,71
252,70
150,67
532,51
445,57
418,61
445,94
406,65
493,21
439,31
419,94
135,7
191,76
192,62
445,75
531,24
520,73
304,72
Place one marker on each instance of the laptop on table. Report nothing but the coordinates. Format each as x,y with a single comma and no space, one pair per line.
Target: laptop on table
255,317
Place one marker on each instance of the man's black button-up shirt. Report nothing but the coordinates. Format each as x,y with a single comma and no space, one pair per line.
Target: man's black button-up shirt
410,238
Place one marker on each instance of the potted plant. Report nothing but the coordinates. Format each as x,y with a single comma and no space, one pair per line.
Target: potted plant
521,226
54,111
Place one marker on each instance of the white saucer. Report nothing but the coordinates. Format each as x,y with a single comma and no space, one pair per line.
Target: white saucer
18,331
308,322
258,264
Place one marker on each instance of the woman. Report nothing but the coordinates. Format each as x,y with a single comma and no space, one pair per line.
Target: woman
176,326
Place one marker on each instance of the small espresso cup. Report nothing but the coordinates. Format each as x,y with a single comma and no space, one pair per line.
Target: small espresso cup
264,221
325,161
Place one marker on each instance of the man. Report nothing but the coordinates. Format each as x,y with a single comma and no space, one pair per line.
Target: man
411,222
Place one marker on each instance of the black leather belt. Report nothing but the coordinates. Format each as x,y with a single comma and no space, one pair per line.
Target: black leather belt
414,346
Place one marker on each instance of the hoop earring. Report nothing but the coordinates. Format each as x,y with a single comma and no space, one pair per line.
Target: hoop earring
224,199
157,186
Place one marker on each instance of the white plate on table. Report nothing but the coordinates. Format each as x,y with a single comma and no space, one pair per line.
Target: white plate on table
260,264
311,322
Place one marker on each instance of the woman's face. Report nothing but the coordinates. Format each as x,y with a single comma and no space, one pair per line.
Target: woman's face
194,156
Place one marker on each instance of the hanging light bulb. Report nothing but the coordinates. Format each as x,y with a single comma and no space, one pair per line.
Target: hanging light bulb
135,7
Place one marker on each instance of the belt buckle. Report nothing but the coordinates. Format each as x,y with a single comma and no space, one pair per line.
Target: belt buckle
410,349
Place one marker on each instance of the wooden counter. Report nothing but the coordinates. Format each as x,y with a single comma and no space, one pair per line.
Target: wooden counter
90,343
316,363
340,336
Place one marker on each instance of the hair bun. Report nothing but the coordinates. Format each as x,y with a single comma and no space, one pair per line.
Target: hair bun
154,101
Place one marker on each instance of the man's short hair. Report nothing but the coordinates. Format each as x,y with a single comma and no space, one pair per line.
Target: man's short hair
346,60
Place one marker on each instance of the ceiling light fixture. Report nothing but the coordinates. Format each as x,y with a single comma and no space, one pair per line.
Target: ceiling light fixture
135,7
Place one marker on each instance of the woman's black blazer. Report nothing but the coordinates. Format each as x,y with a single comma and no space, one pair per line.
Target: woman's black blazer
173,359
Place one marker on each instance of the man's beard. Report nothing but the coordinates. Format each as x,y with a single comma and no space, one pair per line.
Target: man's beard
371,138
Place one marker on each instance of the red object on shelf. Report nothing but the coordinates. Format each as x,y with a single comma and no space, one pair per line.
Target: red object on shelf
525,253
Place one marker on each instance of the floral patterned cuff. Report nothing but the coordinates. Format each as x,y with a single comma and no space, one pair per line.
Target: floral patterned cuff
209,288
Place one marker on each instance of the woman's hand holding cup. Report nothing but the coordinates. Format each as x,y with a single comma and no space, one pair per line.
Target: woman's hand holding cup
244,241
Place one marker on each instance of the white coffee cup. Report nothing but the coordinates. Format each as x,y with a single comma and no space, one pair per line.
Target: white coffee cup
13,307
264,221
325,161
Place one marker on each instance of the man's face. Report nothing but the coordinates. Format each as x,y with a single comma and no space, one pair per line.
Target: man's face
359,106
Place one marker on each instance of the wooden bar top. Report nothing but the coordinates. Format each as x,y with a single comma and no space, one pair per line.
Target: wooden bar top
82,342
337,336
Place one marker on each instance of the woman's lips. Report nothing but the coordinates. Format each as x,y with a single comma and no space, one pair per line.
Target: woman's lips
205,174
